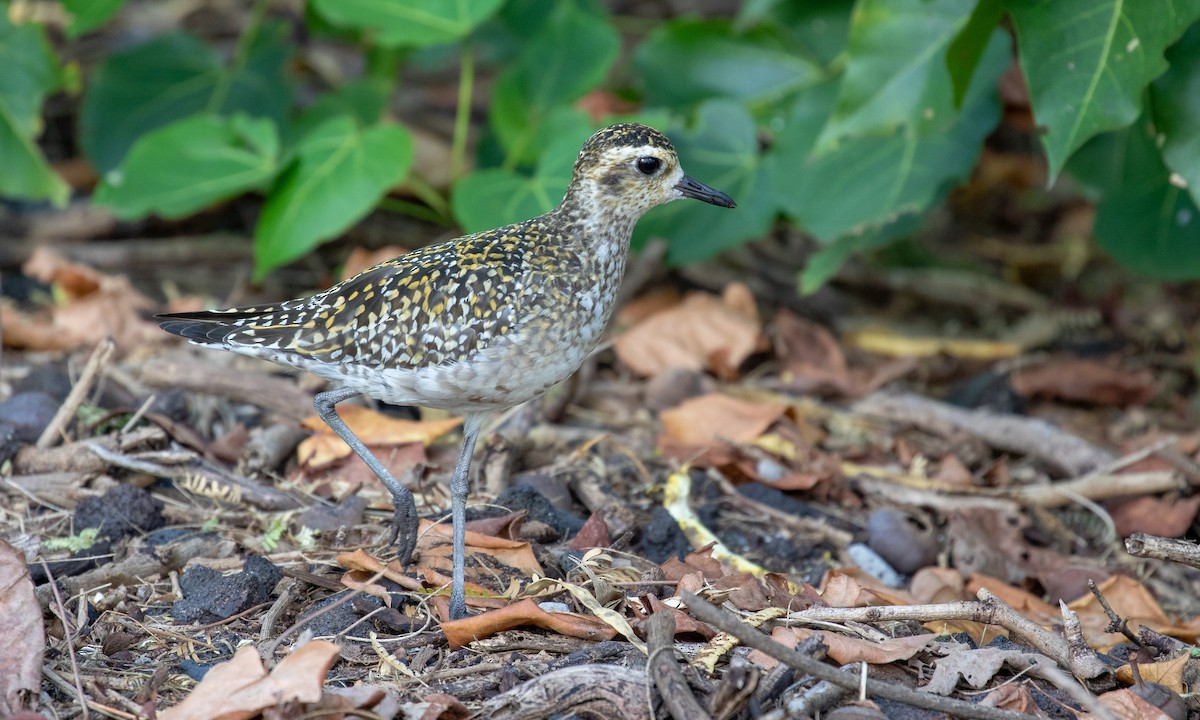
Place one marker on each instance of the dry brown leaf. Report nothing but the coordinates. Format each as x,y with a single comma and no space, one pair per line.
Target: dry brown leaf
988,542
1024,602
1085,381
362,566
33,331
1126,705
525,612
975,666
702,333
952,472
241,688
1013,697
1169,516
52,268
326,452
1131,601
96,306
22,636
1166,672
839,590
711,420
593,534
937,585
844,649
811,357
436,544
696,562
441,706
373,428
685,624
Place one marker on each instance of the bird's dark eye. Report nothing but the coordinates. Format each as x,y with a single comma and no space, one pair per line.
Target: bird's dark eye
648,165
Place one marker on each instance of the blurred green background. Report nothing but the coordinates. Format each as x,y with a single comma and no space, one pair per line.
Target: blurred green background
847,120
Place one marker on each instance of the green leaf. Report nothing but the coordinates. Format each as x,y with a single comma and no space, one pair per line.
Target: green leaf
363,99
897,57
720,150
962,57
87,15
410,23
177,75
569,55
871,180
495,197
190,164
825,262
340,173
818,28
28,71
1175,102
1146,223
1087,62
684,62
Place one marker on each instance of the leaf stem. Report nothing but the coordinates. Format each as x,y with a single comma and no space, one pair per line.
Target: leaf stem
427,194
462,113
412,209
240,54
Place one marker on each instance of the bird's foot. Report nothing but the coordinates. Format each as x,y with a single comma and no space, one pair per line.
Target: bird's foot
404,526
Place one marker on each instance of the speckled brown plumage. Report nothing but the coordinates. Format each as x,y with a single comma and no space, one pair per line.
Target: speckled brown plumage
477,323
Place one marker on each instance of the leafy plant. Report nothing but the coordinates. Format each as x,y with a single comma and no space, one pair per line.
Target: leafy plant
848,118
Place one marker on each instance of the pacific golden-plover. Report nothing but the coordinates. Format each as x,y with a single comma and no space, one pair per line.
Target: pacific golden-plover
472,325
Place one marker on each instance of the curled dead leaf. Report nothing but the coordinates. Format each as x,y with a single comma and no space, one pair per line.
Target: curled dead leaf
526,612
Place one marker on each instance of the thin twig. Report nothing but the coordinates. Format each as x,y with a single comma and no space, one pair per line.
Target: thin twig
661,666
62,613
751,637
98,359
1170,549
1116,623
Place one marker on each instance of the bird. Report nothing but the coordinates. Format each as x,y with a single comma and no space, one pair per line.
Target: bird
472,325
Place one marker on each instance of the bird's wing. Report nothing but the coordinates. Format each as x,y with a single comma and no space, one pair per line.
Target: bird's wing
433,306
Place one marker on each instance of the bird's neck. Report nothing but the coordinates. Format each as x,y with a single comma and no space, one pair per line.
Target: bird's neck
601,222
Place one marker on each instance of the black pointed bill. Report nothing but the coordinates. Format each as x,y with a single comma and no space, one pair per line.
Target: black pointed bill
693,188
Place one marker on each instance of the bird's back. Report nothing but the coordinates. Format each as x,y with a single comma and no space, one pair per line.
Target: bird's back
519,300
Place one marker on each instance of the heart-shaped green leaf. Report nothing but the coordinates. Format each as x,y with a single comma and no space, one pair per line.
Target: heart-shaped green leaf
411,23
1144,221
1088,62
684,62
897,49
340,173
870,180
496,197
177,75
569,54
1175,101
28,72
192,163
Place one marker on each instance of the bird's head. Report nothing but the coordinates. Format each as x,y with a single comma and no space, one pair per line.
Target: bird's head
629,168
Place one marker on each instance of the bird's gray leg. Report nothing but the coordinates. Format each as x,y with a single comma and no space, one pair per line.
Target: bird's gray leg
404,518
459,488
